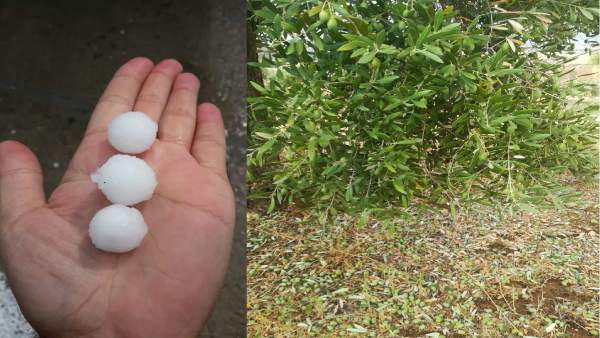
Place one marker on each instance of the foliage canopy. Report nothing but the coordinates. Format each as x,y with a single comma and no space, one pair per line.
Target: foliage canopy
368,104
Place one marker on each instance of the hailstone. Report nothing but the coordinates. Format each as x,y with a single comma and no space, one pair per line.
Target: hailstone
132,132
117,228
125,179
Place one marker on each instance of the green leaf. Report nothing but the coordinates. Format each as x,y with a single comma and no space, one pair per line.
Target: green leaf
438,19
340,9
399,186
263,135
499,120
291,49
315,10
357,329
317,42
357,52
312,148
434,49
524,122
445,31
503,72
271,205
586,13
264,13
404,53
348,194
387,49
309,125
429,55
422,103
367,57
538,136
410,141
325,138
348,46
451,28
258,87
422,93
364,218
469,76
388,79
360,40
422,36
267,146
395,103
595,11
299,47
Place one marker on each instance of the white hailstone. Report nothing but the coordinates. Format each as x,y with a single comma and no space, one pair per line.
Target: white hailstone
125,180
132,132
117,228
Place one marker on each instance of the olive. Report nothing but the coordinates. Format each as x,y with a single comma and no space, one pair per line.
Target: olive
323,15
332,23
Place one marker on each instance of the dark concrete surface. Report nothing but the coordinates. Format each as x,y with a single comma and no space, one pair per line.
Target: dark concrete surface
57,56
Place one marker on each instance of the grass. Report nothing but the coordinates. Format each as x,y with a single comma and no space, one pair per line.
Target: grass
481,276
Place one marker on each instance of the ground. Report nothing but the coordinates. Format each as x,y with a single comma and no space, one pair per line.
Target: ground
57,56
480,276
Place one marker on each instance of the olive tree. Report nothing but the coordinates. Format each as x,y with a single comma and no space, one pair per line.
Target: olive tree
372,104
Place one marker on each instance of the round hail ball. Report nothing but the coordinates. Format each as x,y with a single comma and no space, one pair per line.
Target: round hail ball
132,132
125,179
117,228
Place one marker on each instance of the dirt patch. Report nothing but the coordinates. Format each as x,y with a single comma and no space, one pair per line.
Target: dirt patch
411,331
577,332
543,298
553,292
499,246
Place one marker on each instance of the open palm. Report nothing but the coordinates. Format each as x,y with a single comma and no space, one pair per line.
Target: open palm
167,286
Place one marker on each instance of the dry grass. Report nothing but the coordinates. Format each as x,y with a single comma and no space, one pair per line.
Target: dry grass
527,275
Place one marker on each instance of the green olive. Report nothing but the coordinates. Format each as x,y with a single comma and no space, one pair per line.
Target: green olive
332,23
323,15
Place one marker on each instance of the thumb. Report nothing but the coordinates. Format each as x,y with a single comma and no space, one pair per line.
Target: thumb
20,181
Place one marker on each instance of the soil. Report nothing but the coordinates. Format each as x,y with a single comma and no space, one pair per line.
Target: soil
544,298
57,57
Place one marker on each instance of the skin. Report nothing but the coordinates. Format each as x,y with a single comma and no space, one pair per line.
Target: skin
167,286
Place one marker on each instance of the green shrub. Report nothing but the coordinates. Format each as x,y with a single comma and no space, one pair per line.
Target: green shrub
377,103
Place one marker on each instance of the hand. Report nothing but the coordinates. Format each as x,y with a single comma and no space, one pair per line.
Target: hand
167,286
